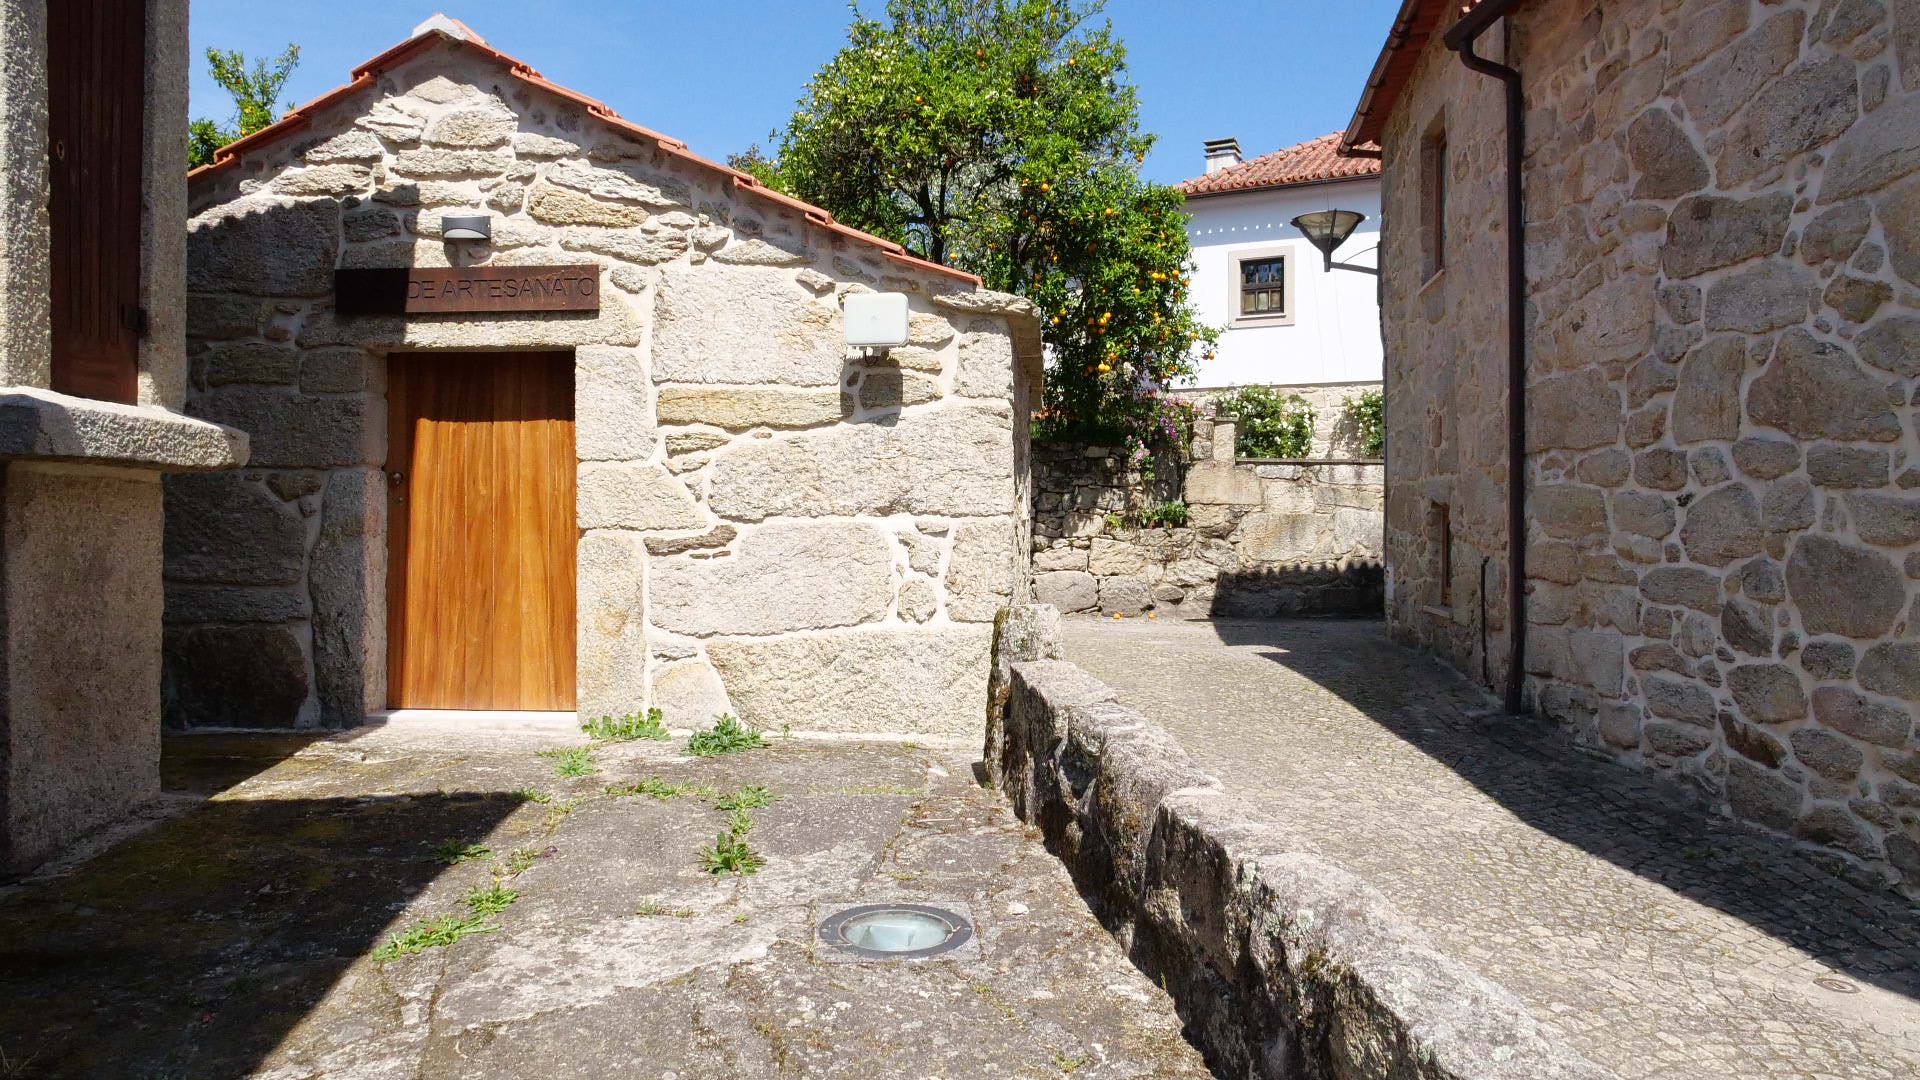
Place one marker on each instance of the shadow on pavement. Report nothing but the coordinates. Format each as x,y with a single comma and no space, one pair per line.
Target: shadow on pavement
1638,822
192,949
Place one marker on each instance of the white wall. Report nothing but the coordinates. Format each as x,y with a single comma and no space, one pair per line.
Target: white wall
1335,333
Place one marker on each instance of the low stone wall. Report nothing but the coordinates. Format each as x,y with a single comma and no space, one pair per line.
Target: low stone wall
1282,964
1262,538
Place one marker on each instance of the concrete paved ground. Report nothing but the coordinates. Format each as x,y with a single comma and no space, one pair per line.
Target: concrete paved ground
1660,940
234,938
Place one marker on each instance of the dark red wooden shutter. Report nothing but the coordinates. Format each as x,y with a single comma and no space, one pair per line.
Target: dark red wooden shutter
96,110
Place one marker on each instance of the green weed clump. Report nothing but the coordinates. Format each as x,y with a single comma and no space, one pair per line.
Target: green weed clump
572,761
432,933
651,908
727,736
731,855
491,900
453,852
662,789
627,728
746,797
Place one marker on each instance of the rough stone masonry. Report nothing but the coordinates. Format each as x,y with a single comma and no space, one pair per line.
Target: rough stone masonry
1723,471
770,524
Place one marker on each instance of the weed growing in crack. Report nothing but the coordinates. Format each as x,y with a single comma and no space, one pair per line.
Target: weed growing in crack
627,728
651,908
432,933
533,795
988,995
881,789
731,855
520,859
558,811
662,789
491,900
572,761
453,852
746,797
1067,1063
740,918
727,736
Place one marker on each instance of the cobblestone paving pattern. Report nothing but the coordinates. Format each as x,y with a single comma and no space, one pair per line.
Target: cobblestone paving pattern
1661,940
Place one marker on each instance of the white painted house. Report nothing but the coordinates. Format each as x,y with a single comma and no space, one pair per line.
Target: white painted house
1289,321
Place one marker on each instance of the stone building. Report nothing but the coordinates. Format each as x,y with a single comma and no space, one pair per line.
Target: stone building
1719,330
677,487
93,101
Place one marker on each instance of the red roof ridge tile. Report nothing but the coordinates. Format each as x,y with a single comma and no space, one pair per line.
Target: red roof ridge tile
368,73
1312,161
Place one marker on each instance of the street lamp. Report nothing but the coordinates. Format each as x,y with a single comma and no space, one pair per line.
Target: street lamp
1328,229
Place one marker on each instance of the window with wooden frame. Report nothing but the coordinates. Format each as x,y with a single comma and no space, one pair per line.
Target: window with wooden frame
1441,517
96,127
1433,200
1262,287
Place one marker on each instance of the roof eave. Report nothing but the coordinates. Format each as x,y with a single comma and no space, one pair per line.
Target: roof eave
1369,116
1318,182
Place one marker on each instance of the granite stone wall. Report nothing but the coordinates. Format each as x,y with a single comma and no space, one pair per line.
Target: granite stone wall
1723,243
771,524
1260,538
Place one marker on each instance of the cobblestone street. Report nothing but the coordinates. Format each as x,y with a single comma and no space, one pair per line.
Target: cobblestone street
1660,940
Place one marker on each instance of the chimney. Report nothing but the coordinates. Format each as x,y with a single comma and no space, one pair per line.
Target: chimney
1222,153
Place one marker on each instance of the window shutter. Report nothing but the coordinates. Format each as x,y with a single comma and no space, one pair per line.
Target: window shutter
96,111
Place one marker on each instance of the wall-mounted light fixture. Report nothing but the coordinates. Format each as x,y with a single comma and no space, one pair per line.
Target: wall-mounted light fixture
875,320
1328,229
467,228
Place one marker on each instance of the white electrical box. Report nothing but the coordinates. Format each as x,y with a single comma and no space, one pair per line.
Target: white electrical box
876,320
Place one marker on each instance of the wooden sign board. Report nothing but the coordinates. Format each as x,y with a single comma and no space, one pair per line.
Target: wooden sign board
412,290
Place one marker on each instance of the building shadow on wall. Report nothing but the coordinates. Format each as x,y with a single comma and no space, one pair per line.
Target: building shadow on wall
194,948
1348,587
1641,823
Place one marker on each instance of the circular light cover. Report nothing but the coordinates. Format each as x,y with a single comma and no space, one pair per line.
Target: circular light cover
1328,229
895,931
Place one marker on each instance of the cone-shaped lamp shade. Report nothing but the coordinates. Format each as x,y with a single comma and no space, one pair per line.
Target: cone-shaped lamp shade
1328,229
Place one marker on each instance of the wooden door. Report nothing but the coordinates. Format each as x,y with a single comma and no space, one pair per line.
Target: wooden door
96,124
481,534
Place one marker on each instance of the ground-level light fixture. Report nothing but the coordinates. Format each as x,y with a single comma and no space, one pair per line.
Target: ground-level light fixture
1328,229
467,228
894,932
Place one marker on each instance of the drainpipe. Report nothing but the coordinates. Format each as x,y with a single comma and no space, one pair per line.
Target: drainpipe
1461,39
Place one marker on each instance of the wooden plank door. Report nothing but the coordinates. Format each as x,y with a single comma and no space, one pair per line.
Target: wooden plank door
481,533
96,124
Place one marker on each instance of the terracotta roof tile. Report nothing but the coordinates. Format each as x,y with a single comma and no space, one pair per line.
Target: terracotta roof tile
434,31
1315,159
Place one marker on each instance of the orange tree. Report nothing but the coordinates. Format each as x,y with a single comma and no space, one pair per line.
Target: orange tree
1002,137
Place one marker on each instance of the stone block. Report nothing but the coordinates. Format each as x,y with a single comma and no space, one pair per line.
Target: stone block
744,324
1706,401
1222,483
1663,155
1771,295
786,576
613,417
981,569
1722,526
1060,558
1899,212
621,180
1706,232
689,694
562,206
611,654
348,580
1843,590
737,408
489,125
1874,152
438,162
1267,536
1765,459
1827,754
1643,513
630,495
333,180
257,362
1892,668
1686,586
1068,590
1813,390
265,247
1761,795
1832,466
1569,510
918,599
766,251
1767,693
1675,700
288,429
890,388
986,364
919,680
1124,596
1573,412
1893,344
253,676
1852,713
1728,79
1803,109
1113,557
956,460
338,371
190,604
1827,660
223,529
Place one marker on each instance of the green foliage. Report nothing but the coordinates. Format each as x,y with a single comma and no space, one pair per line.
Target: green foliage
254,88
454,852
1001,137
571,761
444,930
746,797
1270,424
650,908
519,859
534,795
731,855
662,789
1172,513
1365,417
492,900
727,736
627,728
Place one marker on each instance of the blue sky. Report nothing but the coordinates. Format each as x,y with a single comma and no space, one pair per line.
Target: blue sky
720,73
